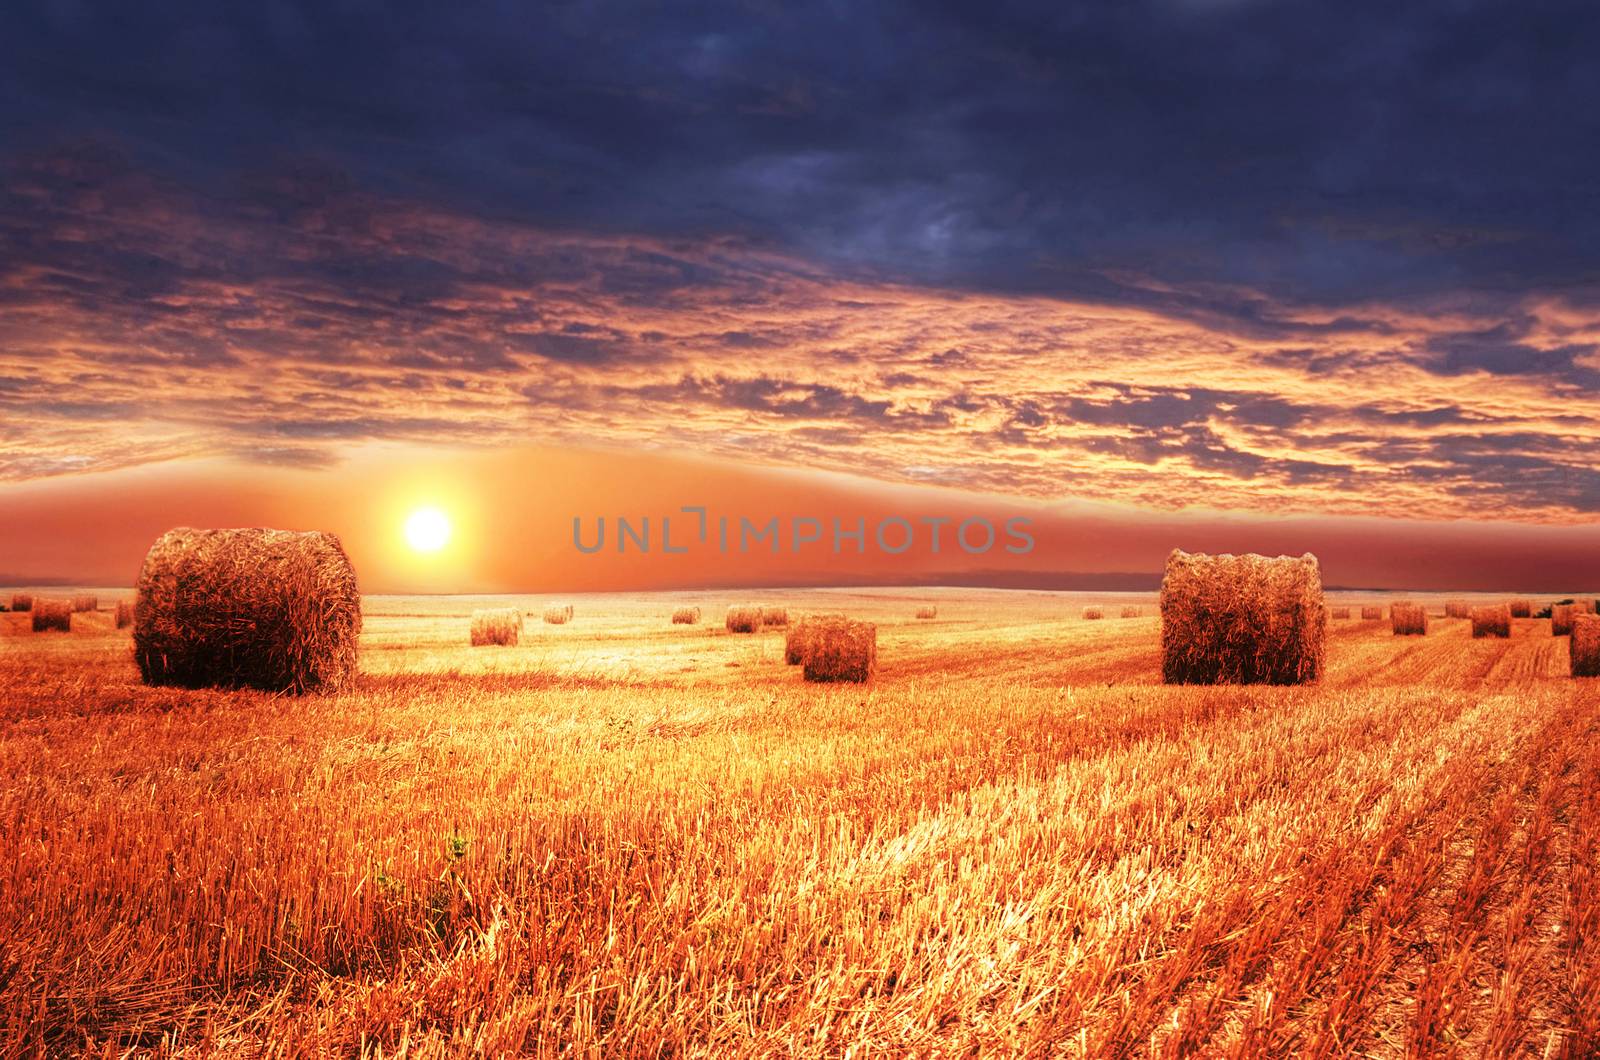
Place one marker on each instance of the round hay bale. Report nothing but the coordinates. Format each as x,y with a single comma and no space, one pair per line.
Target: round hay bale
122,617
1242,620
497,625
774,616
1585,646
276,610
794,637
927,611
746,619
21,602
1561,620
1372,614
1493,620
840,649
1133,612
1457,609
794,642
1521,608
1092,613
85,602
1408,619
1338,612
52,616
686,616
558,614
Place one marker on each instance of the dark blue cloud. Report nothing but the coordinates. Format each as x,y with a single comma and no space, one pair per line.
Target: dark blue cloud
1320,153
1497,351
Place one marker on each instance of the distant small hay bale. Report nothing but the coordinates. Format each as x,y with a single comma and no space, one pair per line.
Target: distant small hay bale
123,616
558,614
774,616
1583,607
496,625
1493,620
686,616
1521,608
85,602
1241,620
840,649
21,602
1561,620
1133,612
1408,619
1372,614
927,611
745,619
277,610
1338,612
1091,613
52,615
1585,646
1457,609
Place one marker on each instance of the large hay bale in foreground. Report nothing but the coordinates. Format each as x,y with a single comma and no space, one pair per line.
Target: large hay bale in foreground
745,619
1457,609
1493,620
686,616
558,614
1561,620
21,602
85,602
1585,646
1408,619
496,625
840,649
122,617
1241,620
1372,614
1092,613
52,616
1521,608
927,611
1338,612
251,608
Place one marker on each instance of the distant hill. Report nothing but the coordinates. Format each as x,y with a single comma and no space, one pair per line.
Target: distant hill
34,580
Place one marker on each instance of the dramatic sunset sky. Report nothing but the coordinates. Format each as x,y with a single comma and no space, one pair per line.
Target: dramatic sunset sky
1239,275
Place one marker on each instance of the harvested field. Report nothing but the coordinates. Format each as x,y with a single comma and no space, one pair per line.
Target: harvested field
587,846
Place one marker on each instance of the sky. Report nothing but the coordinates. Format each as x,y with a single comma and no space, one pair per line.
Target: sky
1225,274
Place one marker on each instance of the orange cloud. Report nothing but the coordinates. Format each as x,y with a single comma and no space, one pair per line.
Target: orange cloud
138,326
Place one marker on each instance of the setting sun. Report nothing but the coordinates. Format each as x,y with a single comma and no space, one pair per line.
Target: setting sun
427,530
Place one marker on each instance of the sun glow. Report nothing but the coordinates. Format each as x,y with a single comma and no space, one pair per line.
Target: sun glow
427,530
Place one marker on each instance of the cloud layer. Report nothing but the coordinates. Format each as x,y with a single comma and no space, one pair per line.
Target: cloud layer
1325,155
143,317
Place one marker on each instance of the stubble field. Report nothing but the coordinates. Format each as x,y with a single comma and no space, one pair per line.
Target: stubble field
627,838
